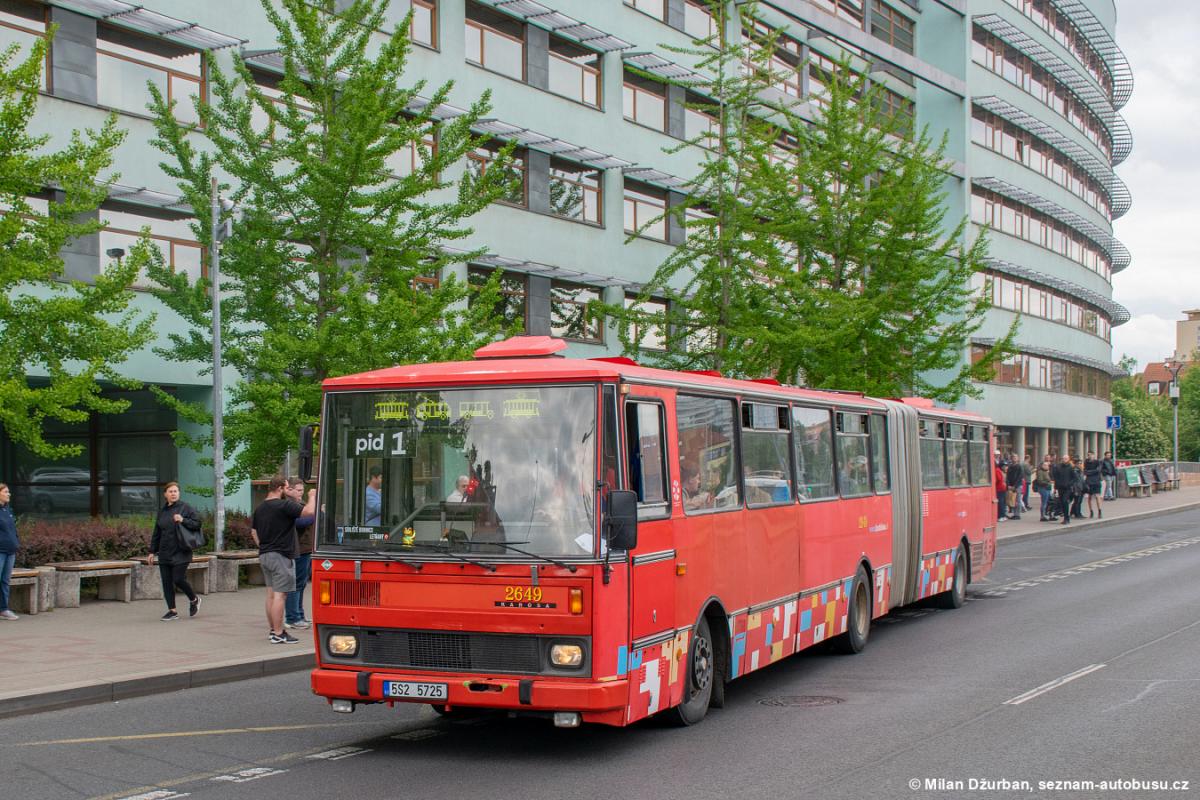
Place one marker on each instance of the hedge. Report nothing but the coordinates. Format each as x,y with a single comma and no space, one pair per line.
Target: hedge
44,541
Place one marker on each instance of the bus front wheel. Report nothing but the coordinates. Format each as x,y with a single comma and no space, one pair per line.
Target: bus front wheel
698,683
956,595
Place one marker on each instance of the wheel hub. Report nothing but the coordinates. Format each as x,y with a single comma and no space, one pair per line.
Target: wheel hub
701,664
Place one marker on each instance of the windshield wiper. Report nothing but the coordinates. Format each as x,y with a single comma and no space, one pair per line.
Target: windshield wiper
547,559
387,557
446,552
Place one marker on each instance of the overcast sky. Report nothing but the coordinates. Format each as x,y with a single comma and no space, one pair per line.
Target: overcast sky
1162,229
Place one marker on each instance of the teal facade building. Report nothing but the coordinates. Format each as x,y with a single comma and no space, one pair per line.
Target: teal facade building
1027,91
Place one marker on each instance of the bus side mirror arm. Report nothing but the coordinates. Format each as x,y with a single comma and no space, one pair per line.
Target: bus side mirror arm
620,525
306,452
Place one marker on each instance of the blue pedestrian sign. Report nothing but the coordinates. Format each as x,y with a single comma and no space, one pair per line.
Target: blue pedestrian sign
1113,423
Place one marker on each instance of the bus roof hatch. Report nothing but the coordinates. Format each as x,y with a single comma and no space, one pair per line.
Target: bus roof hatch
522,347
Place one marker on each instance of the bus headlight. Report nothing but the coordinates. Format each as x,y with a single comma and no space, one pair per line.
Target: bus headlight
566,655
342,644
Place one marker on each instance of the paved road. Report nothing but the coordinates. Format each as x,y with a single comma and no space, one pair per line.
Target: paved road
1079,660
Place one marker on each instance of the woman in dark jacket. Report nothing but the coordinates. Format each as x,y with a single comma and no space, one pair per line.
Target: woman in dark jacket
173,554
1093,473
9,545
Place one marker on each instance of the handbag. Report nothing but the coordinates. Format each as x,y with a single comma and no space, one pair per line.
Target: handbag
192,539
1010,497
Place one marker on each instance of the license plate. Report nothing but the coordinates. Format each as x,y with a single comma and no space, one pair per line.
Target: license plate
415,691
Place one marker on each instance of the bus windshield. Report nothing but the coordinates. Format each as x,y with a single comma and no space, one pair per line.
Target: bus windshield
469,471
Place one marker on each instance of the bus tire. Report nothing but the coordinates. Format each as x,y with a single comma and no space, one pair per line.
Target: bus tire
858,616
956,595
699,679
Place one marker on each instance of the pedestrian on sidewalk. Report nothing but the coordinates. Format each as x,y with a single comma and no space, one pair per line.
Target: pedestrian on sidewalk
1095,484
1026,481
1013,476
9,545
172,551
273,529
1108,471
1044,486
1001,489
1078,488
1064,479
293,607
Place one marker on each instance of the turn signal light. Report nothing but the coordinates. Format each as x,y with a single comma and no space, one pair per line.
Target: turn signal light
575,603
326,593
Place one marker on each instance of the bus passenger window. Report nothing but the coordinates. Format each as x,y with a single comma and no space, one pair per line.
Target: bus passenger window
854,471
956,454
766,463
933,456
707,455
813,435
981,460
879,453
647,452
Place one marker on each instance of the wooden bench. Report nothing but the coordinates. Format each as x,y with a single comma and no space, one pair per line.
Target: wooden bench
1139,489
23,591
147,580
116,580
225,567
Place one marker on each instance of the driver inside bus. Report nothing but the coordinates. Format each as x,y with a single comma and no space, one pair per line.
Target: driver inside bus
373,511
459,495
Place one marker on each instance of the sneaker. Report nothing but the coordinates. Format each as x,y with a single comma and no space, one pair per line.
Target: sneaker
8,614
169,616
194,606
283,638
300,624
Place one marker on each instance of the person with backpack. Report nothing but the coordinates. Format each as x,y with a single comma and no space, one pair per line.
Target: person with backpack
1013,476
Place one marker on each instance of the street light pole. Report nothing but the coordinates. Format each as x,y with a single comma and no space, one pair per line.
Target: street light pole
1175,367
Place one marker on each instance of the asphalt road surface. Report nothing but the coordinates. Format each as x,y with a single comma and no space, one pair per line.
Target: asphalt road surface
1077,661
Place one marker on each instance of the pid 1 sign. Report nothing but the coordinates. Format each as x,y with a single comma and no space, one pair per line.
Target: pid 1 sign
389,443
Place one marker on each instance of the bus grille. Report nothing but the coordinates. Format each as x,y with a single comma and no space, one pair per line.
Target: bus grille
356,593
453,652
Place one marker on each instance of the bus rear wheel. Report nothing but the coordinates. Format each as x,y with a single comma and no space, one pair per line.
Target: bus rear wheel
858,616
698,683
956,595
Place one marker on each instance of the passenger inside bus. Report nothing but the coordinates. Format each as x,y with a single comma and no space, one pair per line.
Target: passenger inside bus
694,497
373,508
459,495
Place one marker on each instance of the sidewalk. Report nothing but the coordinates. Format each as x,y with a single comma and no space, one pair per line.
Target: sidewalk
105,651
1125,509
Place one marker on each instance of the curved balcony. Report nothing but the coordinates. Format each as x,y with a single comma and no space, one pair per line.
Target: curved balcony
1058,355
1102,42
1118,193
1083,88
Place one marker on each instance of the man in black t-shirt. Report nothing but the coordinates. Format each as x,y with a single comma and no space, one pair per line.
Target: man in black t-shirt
273,529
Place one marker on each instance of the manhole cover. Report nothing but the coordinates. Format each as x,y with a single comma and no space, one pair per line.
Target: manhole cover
801,700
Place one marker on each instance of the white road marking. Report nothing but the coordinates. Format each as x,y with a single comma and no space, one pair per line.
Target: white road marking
157,794
1052,685
247,775
1025,583
338,753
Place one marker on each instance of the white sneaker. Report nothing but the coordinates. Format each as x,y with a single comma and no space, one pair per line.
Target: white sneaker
299,624
8,614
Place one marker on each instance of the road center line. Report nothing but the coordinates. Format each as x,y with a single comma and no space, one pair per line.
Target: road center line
1054,684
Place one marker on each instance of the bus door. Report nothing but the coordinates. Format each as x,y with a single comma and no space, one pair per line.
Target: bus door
652,566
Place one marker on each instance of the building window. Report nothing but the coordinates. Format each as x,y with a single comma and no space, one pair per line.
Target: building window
891,26
645,210
512,303
849,10
173,238
22,25
423,28
698,21
483,158
784,62
574,72
495,41
1029,298
126,63
1058,25
699,123
125,458
1015,219
1039,372
573,313
1154,388
644,101
413,155
896,108
655,8
650,334
576,191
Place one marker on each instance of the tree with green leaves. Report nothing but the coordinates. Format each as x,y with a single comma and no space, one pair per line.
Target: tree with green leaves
713,280
75,333
328,269
1143,435
825,257
872,282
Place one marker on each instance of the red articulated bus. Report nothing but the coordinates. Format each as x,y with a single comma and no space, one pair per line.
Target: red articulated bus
590,540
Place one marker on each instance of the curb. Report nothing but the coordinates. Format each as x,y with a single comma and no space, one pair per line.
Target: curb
1054,529
152,683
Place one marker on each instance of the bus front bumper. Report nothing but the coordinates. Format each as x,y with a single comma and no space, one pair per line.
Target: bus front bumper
598,701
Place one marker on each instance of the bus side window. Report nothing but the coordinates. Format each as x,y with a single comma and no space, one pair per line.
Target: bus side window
812,432
933,455
647,456
879,453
